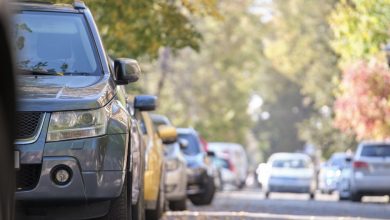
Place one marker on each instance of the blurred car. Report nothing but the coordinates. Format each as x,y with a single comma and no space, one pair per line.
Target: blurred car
344,183
330,172
262,173
175,164
370,170
226,170
201,186
215,169
238,159
73,130
290,172
154,175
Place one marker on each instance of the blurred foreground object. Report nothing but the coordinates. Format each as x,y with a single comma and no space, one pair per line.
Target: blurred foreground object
7,110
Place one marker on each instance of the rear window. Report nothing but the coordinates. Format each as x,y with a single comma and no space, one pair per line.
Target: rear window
290,163
377,150
54,44
193,147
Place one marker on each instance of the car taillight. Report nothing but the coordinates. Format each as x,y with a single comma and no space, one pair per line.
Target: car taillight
231,167
360,164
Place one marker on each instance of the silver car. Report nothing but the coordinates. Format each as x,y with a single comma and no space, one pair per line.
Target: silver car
370,170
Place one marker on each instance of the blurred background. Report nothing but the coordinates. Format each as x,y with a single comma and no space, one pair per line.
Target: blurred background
273,75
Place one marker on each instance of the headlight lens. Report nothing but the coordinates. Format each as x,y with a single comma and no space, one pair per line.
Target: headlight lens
172,164
77,124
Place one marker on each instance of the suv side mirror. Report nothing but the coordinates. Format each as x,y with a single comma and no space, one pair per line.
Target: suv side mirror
211,153
145,102
168,134
126,71
183,143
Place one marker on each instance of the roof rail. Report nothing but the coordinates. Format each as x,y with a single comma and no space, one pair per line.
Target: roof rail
79,4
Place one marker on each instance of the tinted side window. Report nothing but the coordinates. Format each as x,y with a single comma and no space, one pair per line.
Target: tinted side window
378,150
193,147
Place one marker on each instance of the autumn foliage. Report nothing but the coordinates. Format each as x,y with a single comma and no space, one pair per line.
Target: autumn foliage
363,107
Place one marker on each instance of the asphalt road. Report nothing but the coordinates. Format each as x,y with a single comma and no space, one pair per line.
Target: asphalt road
251,204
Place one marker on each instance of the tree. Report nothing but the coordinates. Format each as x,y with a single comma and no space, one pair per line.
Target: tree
364,104
133,28
360,28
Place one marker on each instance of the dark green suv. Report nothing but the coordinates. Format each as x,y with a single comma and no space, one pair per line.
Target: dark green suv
75,134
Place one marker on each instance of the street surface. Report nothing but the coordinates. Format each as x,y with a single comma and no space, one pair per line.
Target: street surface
250,204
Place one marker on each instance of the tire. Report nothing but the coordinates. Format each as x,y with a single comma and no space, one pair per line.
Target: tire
179,205
120,208
312,196
356,197
138,210
207,196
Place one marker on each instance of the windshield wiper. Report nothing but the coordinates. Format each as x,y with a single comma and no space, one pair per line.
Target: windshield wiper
40,72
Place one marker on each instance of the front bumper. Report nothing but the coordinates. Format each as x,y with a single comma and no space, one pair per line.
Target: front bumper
176,183
83,186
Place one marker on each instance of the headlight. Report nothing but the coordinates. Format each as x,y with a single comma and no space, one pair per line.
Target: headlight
172,164
77,124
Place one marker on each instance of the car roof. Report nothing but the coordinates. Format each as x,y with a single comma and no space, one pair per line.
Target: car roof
160,118
186,131
44,6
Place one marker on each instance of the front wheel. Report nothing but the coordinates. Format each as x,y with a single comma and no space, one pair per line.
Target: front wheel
120,208
207,196
356,197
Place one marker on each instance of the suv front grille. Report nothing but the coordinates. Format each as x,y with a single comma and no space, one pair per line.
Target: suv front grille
27,124
27,176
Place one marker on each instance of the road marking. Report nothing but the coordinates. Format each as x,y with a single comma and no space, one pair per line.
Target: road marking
249,215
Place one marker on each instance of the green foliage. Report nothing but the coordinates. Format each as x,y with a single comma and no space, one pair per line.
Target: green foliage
360,27
131,28
210,90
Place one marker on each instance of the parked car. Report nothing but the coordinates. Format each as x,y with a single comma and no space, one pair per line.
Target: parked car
344,183
330,172
200,177
262,173
226,171
370,170
175,164
215,169
73,124
238,159
290,172
154,171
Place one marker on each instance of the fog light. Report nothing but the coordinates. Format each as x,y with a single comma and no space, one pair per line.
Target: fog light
61,175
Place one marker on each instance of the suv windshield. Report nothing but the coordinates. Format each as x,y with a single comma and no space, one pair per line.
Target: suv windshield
377,150
54,44
193,147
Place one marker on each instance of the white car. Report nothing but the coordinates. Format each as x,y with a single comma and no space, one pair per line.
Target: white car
175,170
290,172
237,158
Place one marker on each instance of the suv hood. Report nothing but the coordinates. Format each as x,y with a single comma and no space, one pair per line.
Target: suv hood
62,93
